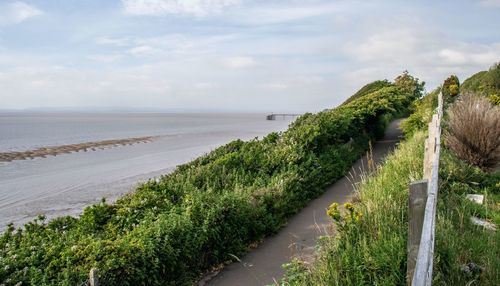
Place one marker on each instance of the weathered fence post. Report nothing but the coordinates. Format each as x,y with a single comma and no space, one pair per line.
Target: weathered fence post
93,278
416,211
430,147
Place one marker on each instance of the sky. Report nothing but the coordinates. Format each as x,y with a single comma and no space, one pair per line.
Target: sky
232,55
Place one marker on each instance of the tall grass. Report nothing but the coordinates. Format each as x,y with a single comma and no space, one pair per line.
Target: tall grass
473,131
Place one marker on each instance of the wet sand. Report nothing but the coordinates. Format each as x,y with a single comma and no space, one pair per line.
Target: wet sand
43,152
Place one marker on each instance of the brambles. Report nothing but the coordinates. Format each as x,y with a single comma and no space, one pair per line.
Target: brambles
473,131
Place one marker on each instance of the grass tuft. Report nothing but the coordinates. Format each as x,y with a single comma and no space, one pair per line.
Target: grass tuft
473,131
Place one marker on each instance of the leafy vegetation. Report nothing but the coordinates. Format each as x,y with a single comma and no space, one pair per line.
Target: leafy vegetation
486,83
369,88
422,115
451,87
169,232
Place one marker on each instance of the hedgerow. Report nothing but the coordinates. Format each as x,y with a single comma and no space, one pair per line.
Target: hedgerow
168,232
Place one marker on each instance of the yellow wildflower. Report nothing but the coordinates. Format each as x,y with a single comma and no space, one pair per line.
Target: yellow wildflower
349,207
333,211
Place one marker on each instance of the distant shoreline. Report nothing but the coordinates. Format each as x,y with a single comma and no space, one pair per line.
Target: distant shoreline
42,152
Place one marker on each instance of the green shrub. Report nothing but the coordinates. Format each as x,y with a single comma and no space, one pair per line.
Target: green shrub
422,115
485,83
368,88
451,87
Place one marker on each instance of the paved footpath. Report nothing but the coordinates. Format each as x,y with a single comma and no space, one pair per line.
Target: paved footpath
262,266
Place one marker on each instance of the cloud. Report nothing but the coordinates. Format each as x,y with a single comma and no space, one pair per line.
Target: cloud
206,85
471,54
384,52
239,62
163,7
121,42
105,58
17,12
276,14
389,45
143,51
277,86
309,80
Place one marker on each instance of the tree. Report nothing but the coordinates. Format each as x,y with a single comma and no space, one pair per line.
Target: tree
409,84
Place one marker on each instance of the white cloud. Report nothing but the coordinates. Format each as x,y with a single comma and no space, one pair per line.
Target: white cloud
17,12
239,62
275,14
277,86
105,58
121,42
143,51
411,47
471,54
206,85
163,7
453,56
385,52
309,80
389,45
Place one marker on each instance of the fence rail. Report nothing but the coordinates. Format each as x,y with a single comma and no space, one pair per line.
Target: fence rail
422,208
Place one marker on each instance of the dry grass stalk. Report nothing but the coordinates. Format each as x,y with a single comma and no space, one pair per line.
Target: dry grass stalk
473,131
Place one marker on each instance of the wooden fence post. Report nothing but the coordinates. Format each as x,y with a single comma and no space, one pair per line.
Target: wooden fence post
430,147
93,278
416,210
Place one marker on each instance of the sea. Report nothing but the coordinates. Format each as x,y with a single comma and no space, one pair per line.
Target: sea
65,184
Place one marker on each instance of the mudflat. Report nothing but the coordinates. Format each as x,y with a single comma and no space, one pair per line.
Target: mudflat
62,149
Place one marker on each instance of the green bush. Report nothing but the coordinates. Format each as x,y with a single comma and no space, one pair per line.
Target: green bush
422,115
368,88
451,87
486,83
171,231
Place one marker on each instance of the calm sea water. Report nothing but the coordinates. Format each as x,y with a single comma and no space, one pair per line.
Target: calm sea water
66,183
